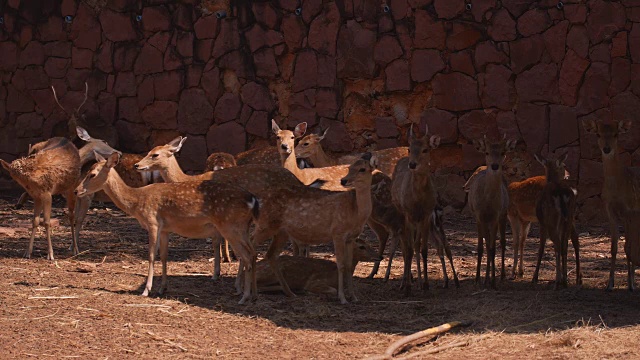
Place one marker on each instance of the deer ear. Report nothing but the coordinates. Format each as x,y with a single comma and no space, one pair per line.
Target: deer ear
274,127
300,129
434,141
113,160
540,159
624,126
412,135
511,144
590,126
5,165
479,144
83,134
324,133
374,162
98,156
562,158
176,144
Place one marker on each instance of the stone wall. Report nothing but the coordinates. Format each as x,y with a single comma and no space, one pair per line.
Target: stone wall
366,68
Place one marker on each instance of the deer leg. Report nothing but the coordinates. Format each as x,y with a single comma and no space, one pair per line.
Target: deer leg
71,205
503,244
154,233
224,247
392,252
407,254
515,229
480,249
417,246
217,241
46,209
543,240
382,235
37,209
491,256
447,250
524,231
424,250
278,243
82,207
576,247
340,249
565,250
164,252
348,265
614,249
631,276
21,201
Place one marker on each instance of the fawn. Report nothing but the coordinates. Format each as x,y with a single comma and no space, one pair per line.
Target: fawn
413,193
555,210
53,169
620,193
489,201
196,209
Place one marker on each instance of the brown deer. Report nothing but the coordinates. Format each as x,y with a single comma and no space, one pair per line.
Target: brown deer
489,201
414,195
318,276
196,209
219,160
54,169
621,194
555,210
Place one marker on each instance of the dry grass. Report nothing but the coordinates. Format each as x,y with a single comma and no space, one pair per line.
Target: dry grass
88,306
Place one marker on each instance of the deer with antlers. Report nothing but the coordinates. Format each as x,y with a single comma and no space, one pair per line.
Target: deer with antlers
489,201
621,195
195,209
555,210
53,169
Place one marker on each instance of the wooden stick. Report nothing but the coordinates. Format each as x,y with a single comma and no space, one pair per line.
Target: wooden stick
444,347
51,297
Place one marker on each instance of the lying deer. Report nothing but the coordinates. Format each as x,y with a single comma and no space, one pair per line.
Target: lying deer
555,210
489,201
53,169
414,195
308,274
196,209
621,194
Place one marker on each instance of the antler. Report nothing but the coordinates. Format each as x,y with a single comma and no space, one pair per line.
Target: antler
55,96
86,95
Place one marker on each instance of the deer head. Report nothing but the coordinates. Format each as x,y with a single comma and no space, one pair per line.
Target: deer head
310,144
157,157
286,138
494,152
220,160
360,171
555,170
420,149
607,133
98,174
362,251
73,116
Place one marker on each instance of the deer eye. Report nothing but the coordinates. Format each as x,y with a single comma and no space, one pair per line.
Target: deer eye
293,137
154,156
91,176
487,153
425,151
306,144
361,170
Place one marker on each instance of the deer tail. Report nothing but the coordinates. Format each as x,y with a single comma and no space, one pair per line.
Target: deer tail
254,205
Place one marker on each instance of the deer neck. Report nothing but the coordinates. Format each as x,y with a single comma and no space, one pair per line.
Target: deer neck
321,159
613,169
493,183
363,199
86,155
120,193
290,163
173,173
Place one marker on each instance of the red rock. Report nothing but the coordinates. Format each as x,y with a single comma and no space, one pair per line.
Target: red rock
259,125
311,9
508,125
576,13
52,30
563,126
487,52
463,36
289,5
160,41
589,143
156,18
591,178
605,18
161,115
385,24
571,73
258,97
117,26
448,9
145,92
149,61
555,40
355,51
258,38
184,44
620,76
125,84
533,21
425,64
128,109
56,67
496,89
124,56
77,77
533,123
480,7
526,52
440,122
167,85
634,43
107,104
626,106
206,27
212,85
386,50
429,34
45,104
60,49
203,50
633,14
455,92
194,73
461,61
327,71
327,103
397,76
264,61
104,58
193,154
635,78
294,31
227,108
540,83
183,17
17,101
195,113
34,78
517,7
302,108
245,114
337,138
29,125
476,123
404,36
81,58
305,75
386,128
324,30
265,14
33,54
578,41
600,53
172,60
619,45
85,29
503,27
228,137
227,40
133,137
8,56
593,92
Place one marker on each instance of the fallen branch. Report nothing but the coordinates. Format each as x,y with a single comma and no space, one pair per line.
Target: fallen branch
388,354
51,297
444,347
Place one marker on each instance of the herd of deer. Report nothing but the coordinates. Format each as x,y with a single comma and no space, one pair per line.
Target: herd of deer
263,194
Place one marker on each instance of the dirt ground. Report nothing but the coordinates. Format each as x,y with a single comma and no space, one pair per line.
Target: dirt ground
89,306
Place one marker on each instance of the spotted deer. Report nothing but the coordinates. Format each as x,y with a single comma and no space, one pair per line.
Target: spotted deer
414,194
196,209
318,276
621,195
54,169
489,201
555,209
